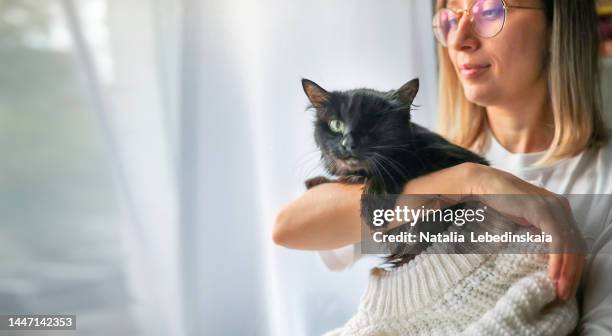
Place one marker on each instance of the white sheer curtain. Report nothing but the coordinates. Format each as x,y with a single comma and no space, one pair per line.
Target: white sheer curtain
89,200
200,112
130,77
245,142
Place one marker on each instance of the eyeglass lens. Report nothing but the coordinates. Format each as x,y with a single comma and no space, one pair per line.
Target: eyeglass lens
487,18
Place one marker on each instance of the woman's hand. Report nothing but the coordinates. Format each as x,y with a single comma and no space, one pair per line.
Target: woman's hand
539,207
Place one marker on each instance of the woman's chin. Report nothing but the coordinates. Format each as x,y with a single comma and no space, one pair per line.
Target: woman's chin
482,96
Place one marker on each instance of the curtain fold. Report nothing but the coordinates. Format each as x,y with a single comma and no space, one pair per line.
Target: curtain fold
243,106
134,109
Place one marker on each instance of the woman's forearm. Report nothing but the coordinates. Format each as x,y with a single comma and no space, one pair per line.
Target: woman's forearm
457,180
328,216
324,217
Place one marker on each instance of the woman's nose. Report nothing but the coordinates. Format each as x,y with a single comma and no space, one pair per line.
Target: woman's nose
463,38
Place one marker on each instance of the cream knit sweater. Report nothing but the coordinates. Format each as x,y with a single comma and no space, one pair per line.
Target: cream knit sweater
462,294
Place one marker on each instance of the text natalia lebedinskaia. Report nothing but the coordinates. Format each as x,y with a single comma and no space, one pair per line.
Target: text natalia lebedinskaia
459,217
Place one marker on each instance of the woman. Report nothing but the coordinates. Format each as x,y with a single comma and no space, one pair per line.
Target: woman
520,85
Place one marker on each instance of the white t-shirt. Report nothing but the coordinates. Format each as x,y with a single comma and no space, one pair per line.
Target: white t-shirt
588,173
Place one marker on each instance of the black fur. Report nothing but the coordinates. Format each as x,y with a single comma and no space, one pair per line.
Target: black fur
380,146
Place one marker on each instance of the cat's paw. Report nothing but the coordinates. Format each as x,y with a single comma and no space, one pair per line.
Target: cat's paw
315,181
352,179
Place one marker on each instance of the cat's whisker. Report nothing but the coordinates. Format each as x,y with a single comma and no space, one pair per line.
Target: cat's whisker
403,144
308,155
394,147
388,174
303,161
377,172
397,166
398,149
301,166
384,159
330,166
306,172
393,164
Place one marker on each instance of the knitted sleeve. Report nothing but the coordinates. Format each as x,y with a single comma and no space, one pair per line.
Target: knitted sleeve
526,309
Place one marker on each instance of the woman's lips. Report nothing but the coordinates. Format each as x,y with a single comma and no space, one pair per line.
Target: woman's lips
470,71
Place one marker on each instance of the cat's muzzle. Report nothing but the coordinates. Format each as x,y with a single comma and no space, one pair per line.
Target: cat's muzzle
350,165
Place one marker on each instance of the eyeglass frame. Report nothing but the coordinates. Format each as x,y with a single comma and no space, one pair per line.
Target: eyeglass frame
468,11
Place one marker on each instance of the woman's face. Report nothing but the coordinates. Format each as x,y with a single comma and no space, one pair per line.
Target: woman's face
505,68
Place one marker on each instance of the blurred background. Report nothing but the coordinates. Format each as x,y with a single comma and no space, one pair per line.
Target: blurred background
146,146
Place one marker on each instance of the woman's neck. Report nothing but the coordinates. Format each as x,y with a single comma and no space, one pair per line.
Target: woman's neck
525,126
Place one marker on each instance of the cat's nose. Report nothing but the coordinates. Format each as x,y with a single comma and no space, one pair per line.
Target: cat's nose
347,143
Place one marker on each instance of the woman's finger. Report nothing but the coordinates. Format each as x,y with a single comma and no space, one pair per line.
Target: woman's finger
564,285
555,262
577,275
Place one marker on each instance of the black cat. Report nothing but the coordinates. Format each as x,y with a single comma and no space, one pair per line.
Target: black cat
366,136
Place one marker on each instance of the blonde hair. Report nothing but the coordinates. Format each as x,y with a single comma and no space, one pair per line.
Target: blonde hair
573,84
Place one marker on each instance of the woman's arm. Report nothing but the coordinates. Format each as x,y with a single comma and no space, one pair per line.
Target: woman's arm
323,218
328,216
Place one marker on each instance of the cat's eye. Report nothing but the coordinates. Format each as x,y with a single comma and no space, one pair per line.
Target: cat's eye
337,126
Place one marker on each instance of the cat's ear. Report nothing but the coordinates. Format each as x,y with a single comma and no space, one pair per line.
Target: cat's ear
408,91
317,95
